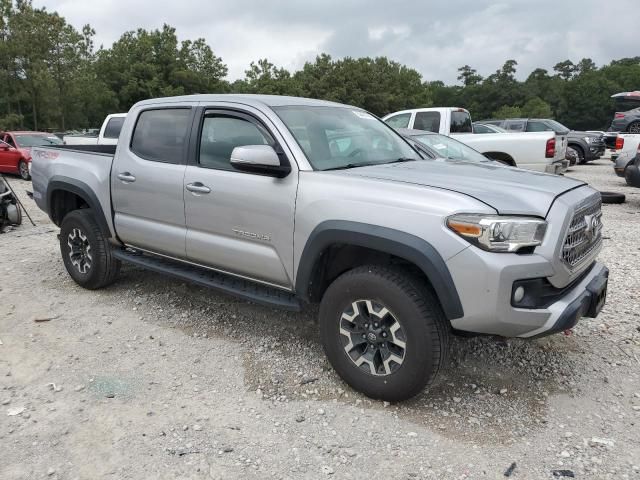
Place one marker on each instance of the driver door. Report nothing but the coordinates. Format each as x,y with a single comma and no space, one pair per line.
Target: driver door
238,222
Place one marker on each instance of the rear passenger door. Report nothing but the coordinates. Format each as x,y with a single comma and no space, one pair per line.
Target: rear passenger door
238,222
147,180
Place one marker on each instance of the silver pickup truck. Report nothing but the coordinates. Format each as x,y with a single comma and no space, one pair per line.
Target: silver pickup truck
287,201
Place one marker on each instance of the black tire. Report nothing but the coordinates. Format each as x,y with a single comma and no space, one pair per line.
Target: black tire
413,304
571,157
634,127
632,175
580,153
612,197
23,170
18,219
79,228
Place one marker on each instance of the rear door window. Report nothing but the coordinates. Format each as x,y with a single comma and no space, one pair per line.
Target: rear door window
429,121
535,126
160,135
399,121
114,125
514,125
461,122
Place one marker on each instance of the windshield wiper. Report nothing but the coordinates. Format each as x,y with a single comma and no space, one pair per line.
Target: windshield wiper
401,160
369,164
349,165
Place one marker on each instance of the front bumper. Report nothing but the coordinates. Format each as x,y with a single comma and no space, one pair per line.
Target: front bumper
595,152
488,310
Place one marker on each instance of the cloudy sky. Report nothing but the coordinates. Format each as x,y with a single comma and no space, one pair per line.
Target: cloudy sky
434,37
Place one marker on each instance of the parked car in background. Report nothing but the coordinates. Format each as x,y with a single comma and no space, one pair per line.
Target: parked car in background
479,127
441,147
588,146
629,119
632,172
629,146
541,151
15,150
287,201
107,135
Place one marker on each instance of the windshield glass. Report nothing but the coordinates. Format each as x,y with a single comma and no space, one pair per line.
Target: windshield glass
37,140
557,126
448,147
342,137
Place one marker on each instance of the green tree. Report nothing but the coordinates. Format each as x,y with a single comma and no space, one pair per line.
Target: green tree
536,108
565,70
508,111
469,76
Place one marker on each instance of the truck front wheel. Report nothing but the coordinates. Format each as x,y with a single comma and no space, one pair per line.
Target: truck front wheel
384,332
86,252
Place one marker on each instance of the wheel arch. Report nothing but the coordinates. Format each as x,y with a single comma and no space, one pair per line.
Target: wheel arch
501,156
66,194
372,240
577,146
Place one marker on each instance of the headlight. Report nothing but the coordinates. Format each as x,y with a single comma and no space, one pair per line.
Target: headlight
588,139
496,233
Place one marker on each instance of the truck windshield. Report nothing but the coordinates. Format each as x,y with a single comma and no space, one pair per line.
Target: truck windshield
341,137
557,127
37,140
450,148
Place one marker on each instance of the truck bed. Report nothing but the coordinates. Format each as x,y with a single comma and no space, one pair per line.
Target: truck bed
104,149
87,167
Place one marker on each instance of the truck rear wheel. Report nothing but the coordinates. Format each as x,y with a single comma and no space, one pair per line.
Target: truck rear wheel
86,252
384,332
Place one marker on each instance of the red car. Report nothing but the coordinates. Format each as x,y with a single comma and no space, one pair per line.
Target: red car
15,150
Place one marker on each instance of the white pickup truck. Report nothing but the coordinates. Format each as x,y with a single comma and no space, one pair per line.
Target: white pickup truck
540,151
627,147
108,135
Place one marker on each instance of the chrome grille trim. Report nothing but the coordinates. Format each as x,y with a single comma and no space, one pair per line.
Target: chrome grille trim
584,235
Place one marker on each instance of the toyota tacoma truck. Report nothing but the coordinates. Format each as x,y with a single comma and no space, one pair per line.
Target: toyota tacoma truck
539,151
287,201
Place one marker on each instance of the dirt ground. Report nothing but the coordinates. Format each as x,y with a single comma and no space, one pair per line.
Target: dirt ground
154,378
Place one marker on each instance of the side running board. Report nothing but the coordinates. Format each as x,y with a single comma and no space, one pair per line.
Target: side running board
228,284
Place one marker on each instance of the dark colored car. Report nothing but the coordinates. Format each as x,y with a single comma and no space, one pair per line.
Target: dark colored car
632,172
628,118
588,146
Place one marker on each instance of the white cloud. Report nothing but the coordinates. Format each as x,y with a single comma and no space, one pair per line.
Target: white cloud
435,37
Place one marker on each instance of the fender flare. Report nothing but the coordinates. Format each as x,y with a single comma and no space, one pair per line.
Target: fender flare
400,244
67,184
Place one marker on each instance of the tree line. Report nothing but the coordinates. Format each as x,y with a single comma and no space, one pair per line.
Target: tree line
53,78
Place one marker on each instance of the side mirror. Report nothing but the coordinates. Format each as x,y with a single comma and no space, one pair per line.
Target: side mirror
260,159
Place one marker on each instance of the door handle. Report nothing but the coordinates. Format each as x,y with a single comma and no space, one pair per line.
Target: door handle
198,187
126,177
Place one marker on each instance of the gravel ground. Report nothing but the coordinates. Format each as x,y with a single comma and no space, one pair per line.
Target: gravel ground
155,378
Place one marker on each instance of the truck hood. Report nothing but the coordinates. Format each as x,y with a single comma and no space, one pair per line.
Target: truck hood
509,190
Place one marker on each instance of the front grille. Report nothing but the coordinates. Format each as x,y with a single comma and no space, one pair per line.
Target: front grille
585,232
